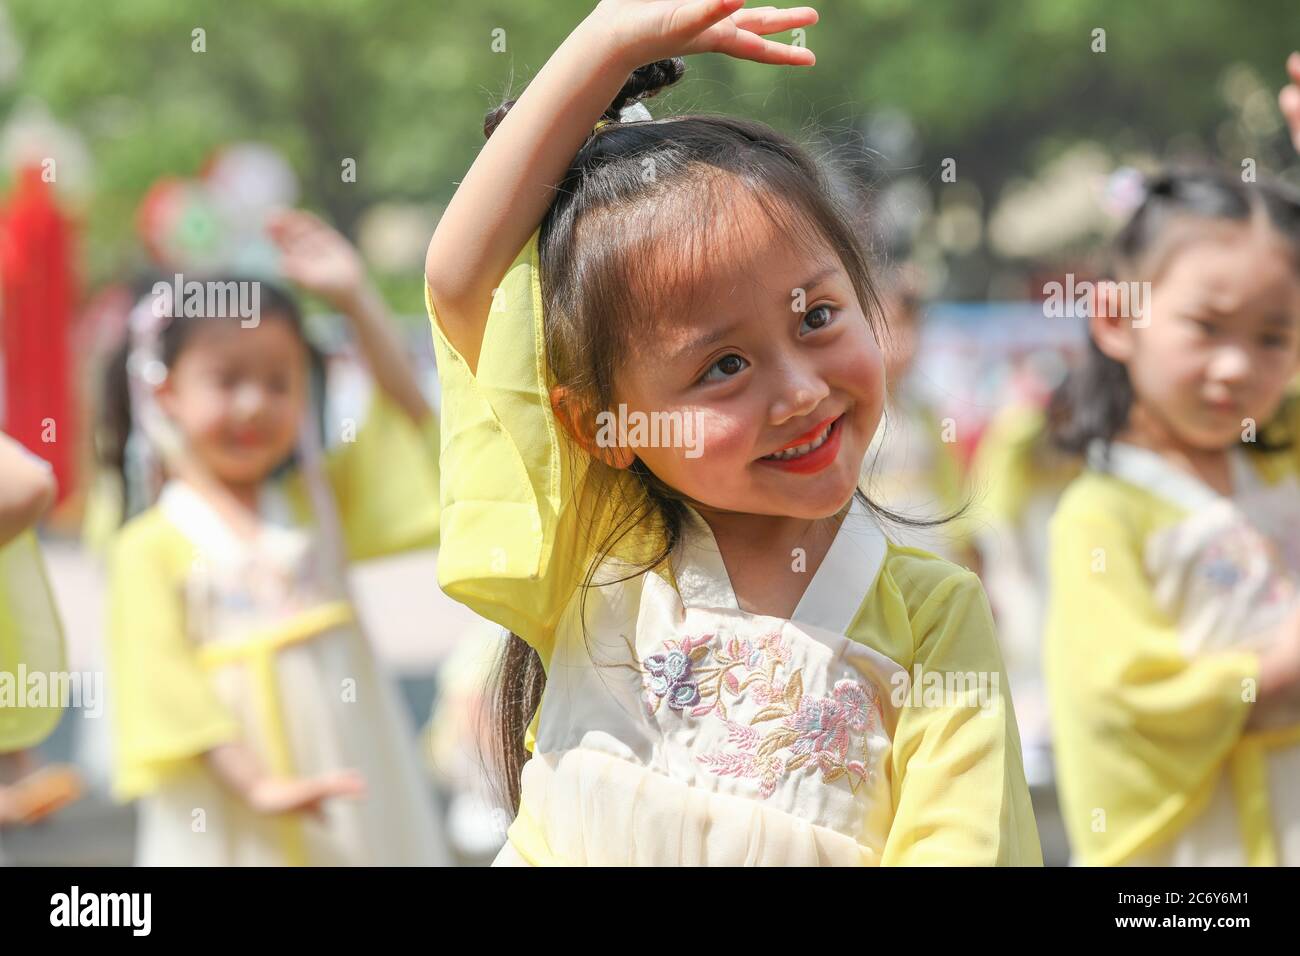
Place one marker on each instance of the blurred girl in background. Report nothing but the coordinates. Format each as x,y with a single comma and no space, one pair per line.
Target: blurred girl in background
1173,636
251,721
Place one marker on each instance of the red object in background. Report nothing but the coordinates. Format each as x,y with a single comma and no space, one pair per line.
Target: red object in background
36,296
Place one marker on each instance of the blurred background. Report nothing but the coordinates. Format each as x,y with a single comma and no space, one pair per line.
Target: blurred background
993,147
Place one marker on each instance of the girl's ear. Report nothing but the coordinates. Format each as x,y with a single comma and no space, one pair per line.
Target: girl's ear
603,444
164,393
1112,329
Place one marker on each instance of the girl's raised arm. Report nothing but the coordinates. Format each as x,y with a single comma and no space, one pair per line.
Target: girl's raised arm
508,189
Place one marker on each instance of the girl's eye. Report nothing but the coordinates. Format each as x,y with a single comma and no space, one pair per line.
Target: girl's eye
818,318
1276,341
1207,328
725,368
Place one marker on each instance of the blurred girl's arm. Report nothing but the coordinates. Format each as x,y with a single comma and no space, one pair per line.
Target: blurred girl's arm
322,261
238,768
26,489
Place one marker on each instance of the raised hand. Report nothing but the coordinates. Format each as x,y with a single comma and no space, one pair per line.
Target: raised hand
317,257
656,29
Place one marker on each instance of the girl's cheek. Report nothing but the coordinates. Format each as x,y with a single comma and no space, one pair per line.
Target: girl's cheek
708,447
860,372
724,437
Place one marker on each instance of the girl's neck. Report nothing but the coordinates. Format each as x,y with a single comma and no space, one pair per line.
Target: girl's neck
237,503
771,558
1149,431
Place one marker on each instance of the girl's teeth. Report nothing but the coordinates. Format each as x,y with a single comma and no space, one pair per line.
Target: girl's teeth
802,449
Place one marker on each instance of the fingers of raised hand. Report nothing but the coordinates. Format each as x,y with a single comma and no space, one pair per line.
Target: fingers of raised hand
751,46
766,20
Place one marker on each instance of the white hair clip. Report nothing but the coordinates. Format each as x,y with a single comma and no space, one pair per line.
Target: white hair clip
1125,191
634,112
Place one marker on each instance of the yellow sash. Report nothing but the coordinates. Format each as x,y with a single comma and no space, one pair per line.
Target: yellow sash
1248,771
257,652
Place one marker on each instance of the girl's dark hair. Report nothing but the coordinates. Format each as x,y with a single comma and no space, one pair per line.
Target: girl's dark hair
644,197
1094,401
114,422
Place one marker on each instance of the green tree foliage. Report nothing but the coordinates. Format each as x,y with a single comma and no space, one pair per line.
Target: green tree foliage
401,85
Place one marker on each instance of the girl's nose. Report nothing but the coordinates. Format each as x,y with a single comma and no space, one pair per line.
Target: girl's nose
1230,364
803,389
249,400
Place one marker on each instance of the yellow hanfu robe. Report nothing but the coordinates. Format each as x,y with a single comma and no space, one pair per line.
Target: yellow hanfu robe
214,639
1163,594
31,643
677,729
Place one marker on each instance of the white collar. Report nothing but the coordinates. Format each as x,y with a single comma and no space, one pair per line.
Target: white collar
191,514
1148,469
832,598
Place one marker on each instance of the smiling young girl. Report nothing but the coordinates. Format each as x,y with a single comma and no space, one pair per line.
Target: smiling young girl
726,641
1173,636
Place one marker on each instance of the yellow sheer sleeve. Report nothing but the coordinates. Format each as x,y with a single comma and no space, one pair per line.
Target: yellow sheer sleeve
1002,463
1283,428
950,484
959,788
519,511
385,482
1141,731
31,642
165,712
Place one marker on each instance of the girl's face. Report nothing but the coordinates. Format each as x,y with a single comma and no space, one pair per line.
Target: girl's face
1223,340
237,395
780,404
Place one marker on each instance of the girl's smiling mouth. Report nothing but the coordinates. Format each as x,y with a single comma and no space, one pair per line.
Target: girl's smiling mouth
811,452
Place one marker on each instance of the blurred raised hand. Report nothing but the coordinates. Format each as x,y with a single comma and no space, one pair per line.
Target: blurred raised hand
1289,99
317,257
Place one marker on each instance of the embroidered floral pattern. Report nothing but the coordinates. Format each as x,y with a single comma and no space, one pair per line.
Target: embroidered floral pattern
1228,560
671,680
803,732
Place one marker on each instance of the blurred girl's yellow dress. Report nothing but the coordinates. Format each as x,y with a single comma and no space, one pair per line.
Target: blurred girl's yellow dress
1163,593
31,642
214,638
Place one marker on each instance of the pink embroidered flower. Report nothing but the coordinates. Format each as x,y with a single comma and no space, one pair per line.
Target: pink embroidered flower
857,703
826,723
774,648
